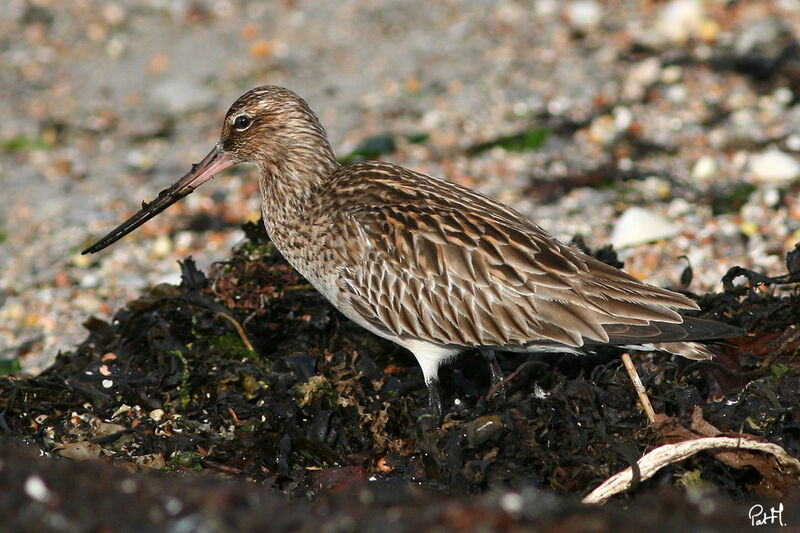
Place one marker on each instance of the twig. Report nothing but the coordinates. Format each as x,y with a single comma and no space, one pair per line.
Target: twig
239,330
667,454
222,467
637,384
511,376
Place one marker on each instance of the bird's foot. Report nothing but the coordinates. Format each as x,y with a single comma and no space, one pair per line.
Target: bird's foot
434,403
497,391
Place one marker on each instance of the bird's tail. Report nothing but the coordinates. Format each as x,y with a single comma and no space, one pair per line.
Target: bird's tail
689,350
681,339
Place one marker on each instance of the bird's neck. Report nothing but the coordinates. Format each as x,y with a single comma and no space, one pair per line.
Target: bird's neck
289,185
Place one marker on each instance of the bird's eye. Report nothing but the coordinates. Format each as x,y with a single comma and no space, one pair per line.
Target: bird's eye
242,122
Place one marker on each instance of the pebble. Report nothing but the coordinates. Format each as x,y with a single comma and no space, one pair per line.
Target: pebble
162,246
623,118
153,460
602,130
89,281
640,77
671,74
749,228
678,207
80,451
483,429
793,142
512,502
760,36
37,490
138,160
639,226
655,186
584,14
114,14
773,166
86,301
680,20
704,169
772,197
783,95
123,409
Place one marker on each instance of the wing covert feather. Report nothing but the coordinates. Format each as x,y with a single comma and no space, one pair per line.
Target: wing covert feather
427,259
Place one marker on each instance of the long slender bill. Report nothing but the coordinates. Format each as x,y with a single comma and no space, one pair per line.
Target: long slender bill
215,162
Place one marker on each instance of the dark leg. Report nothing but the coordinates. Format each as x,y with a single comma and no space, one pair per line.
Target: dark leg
497,374
434,401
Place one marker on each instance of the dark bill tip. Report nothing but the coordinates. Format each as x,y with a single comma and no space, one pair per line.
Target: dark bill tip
215,162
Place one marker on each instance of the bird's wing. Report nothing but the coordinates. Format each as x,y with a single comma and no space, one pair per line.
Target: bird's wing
431,260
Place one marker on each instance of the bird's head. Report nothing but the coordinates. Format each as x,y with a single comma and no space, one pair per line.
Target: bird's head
270,127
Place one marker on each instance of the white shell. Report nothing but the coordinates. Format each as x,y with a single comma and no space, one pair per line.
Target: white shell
638,226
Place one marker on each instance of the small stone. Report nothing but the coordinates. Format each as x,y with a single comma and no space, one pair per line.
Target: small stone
671,74
602,130
154,460
749,228
772,197
81,261
678,207
708,31
483,429
704,169
121,410
157,414
36,489
640,77
89,281
638,226
623,118
128,486
80,451
114,14
87,302
172,505
116,47
261,48
680,20
511,502
783,95
761,37
584,14
162,246
793,142
138,160
655,186
677,94
773,166
12,312
739,160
